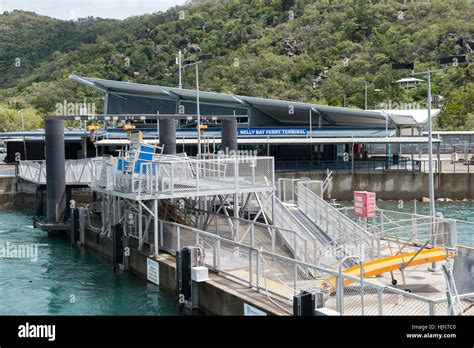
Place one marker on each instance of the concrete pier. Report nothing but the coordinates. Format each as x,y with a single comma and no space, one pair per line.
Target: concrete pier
217,296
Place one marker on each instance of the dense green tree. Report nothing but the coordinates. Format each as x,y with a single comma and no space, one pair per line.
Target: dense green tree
299,50
458,113
13,119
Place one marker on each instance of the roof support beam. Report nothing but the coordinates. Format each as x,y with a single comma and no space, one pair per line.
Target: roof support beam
263,111
170,93
240,100
246,103
324,116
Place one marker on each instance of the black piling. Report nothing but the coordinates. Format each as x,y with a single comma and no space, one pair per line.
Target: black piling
168,136
117,246
229,135
55,170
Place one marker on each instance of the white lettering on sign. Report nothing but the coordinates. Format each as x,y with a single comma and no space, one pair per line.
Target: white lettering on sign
252,311
272,131
153,271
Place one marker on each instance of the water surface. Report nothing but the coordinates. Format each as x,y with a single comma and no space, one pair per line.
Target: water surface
64,274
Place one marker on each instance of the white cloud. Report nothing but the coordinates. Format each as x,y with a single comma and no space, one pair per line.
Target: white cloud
73,9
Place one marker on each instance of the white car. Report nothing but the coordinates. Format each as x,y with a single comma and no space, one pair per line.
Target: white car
3,154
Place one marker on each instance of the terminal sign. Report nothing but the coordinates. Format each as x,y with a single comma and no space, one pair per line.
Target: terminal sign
272,131
364,204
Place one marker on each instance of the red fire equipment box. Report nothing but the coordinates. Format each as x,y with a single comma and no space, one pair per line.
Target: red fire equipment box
364,204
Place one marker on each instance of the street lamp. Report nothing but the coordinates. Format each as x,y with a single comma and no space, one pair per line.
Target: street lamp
188,63
179,63
445,60
365,104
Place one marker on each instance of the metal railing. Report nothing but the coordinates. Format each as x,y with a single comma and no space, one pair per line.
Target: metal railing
375,166
280,215
461,232
287,188
364,238
329,219
392,241
77,172
271,238
280,277
465,233
184,176
359,166
34,171
446,166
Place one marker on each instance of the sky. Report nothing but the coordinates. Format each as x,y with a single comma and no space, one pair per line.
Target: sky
73,9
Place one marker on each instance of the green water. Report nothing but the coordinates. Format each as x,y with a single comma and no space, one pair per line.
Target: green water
453,210
63,273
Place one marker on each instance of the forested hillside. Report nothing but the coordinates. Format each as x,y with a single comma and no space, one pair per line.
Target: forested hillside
302,50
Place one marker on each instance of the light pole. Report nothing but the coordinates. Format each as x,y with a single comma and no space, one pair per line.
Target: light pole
179,60
446,60
196,64
376,90
365,105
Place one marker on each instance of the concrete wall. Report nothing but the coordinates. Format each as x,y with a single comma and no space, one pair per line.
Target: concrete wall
19,191
15,185
217,296
395,186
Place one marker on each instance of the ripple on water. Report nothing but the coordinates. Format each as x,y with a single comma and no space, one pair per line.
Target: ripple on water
63,273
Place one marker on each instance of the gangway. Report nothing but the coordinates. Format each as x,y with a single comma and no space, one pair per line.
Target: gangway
80,172
319,234
290,217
